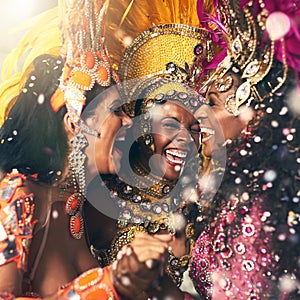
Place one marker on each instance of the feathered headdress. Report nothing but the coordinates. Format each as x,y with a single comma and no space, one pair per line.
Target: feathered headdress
34,43
126,19
158,39
84,51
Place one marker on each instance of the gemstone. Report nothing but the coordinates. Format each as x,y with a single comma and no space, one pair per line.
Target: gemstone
251,69
136,198
171,67
149,103
166,189
127,189
157,208
243,93
146,205
248,265
193,102
182,95
198,49
171,93
237,46
159,97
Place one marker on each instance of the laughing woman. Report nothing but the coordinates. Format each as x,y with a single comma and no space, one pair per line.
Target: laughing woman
249,248
48,156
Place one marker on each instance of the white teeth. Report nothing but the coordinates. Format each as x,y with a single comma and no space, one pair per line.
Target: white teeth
120,139
175,161
177,153
207,130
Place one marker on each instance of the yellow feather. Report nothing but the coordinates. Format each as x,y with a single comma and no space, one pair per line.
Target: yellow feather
43,37
126,19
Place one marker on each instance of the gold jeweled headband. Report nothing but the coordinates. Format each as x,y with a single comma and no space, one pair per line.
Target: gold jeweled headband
256,50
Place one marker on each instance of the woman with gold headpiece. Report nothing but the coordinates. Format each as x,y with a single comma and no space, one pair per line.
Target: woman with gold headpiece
60,114
249,248
150,191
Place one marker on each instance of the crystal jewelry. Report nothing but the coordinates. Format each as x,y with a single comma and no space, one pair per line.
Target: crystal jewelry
74,203
77,160
254,53
223,84
85,128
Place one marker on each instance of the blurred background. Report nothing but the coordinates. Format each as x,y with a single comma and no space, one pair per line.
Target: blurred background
14,13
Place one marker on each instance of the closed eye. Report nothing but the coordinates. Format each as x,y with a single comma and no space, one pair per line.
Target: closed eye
212,99
195,129
116,107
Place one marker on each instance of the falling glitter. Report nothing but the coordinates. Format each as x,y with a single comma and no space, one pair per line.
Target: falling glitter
283,111
177,168
288,283
270,175
179,222
41,99
55,214
293,102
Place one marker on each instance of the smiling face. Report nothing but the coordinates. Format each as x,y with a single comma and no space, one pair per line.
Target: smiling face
175,133
218,119
111,124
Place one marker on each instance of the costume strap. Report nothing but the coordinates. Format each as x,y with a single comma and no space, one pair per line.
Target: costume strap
92,284
16,220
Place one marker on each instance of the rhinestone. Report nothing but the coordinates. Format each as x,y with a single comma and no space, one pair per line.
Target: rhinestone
248,229
171,67
248,265
157,208
159,97
127,189
193,102
240,248
137,219
237,46
165,207
146,205
171,93
243,93
203,264
122,203
126,214
136,198
166,189
198,49
146,116
174,262
148,139
149,103
145,128
251,69
182,95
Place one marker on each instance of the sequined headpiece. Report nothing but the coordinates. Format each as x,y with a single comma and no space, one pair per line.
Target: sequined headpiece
161,53
164,51
86,58
259,35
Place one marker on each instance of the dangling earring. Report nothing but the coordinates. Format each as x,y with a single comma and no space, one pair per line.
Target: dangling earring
149,142
77,159
74,203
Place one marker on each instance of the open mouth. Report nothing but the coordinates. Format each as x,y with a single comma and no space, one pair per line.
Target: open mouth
207,133
119,144
176,157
